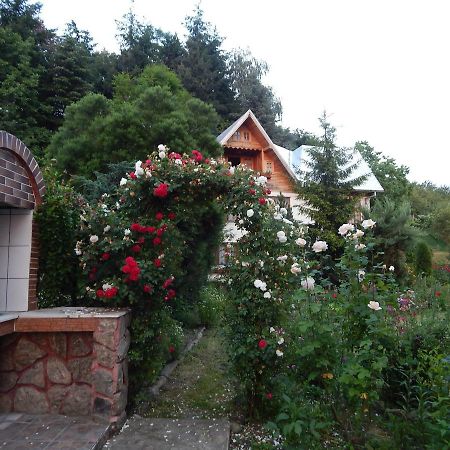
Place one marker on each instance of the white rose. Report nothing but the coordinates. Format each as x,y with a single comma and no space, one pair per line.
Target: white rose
280,234
267,294
282,258
250,213
361,274
279,352
106,229
319,246
383,266
345,228
295,269
232,169
358,234
272,330
161,148
301,242
282,239
359,246
257,283
138,170
374,305
261,181
278,216
308,284
245,264
369,223
391,268
127,232
287,221
281,341
162,155
179,162
78,252
283,211
123,182
93,239
106,286
263,286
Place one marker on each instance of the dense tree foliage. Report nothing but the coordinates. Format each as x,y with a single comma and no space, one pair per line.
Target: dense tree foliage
326,186
145,111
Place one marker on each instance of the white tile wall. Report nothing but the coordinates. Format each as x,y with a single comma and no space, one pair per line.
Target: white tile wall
15,251
17,295
3,284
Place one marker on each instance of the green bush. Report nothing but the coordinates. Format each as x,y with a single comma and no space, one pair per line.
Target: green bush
423,259
58,221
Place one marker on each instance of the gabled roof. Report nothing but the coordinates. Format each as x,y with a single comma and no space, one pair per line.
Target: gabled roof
225,135
293,160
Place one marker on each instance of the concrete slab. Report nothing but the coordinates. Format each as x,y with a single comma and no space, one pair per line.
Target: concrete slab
25,431
172,434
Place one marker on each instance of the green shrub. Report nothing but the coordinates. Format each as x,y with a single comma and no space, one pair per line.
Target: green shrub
423,259
58,221
211,306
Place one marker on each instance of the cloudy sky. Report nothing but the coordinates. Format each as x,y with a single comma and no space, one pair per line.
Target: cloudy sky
379,68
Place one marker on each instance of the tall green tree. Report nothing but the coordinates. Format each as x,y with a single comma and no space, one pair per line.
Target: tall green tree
326,185
145,111
391,176
203,69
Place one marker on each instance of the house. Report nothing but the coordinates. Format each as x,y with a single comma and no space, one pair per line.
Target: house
246,142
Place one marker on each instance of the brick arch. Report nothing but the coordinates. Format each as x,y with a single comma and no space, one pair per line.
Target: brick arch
21,181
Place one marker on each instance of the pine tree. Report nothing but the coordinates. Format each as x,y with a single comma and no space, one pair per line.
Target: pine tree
326,186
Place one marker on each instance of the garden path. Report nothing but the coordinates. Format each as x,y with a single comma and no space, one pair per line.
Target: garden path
192,409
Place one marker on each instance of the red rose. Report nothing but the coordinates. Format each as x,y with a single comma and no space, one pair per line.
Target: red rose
157,262
106,256
207,161
135,227
157,241
167,283
100,293
251,191
334,295
269,395
136,248
133,175
262,344
171,216
197,155
126,269
148,288
262,201
150,229
268,191
161,191
171,349
252,183
141,240
437,293
160,232
130,261
159,216
171,293
174,155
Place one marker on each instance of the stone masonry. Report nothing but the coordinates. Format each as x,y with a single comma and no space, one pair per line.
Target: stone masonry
75,373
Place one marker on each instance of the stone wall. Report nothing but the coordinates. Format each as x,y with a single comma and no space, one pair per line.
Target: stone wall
70,373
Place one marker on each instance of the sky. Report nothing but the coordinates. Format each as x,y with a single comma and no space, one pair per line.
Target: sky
379,68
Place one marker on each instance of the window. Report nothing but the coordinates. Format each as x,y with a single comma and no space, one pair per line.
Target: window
237,136
234,160
246,136
269,166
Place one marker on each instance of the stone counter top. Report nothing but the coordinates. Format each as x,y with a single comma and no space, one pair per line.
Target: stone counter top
73,313
5,317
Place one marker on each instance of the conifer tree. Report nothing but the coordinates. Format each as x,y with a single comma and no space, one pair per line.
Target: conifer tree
326,186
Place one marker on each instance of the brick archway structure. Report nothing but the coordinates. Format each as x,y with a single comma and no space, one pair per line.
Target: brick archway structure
21,190
21,180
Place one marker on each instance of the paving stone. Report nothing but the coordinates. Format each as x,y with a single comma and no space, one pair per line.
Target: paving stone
172,434
23,431
26,353
33,375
